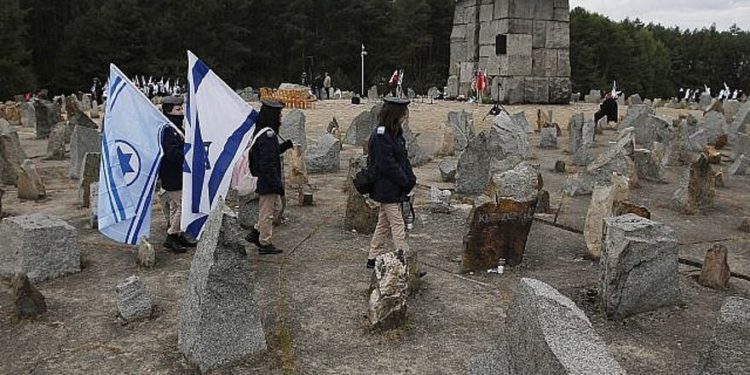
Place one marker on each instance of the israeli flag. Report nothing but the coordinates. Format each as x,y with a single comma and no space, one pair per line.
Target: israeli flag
219,127
131,153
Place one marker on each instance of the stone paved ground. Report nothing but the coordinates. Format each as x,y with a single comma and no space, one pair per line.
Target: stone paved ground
314,297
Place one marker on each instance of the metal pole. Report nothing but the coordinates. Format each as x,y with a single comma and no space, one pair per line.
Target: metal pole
364,53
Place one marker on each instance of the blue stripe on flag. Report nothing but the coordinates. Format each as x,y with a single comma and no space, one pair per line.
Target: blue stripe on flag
200,70
106,180
231,148
117,94
199,167
144,204
112,187
112,89
195,227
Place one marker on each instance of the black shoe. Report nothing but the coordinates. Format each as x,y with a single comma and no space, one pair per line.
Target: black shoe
269,250
253,237
185,241
371,263
172,243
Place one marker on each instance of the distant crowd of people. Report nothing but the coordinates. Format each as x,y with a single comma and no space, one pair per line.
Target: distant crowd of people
321,85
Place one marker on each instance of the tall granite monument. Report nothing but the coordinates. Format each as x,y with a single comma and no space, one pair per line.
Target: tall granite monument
524,46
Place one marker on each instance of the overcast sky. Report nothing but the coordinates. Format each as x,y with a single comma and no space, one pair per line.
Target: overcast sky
683,13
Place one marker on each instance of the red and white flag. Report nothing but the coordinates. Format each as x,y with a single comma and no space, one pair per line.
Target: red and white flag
394,78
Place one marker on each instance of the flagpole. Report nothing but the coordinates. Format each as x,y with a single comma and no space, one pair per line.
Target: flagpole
364,53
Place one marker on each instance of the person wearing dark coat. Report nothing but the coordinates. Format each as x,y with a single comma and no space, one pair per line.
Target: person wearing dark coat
607,109
265,164
388,161
170,173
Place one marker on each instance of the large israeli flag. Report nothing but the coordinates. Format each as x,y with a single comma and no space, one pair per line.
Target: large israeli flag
131,153
218,128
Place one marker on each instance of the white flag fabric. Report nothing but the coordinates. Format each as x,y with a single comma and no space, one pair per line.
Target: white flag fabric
131,154
218,128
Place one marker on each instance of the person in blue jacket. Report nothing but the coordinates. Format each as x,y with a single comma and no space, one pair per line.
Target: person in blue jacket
394,178
265,164
170,173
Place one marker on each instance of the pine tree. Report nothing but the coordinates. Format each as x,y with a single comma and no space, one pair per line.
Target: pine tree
16,76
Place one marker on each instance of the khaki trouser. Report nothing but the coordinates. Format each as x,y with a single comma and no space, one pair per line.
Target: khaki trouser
269,206
389,220
175,211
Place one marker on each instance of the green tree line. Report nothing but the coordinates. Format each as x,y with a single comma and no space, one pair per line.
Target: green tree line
61,45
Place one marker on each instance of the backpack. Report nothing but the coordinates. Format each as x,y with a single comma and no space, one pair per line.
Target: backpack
242,179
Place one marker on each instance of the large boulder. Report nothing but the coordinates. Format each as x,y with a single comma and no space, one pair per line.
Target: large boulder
362,126
546,334
634,99
697,188
726,353
636,114
648,165
220,322
520,119
548,139
388,291
28,115
639,266
501,219
715,126
649,129
11,153
39,245
741,121
323,155
293,127
678,153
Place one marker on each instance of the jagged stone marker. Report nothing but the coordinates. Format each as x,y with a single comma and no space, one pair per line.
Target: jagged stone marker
220,320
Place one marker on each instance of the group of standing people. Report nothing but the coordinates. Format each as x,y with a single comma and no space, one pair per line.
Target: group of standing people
321,85
388,163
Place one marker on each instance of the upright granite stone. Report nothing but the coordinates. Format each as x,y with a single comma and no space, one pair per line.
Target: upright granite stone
473,169
146,256
323,155
635,99
86,102
47,115
461,124
648,166
715,271
520,119
649,129
726,353
372,93
57,140
639,266
2,192
500,221
30,185
697,188
575,133
293,127
715,126
549,334
82,141
615,160
220,322
741,121
361,213
94,110
133,299
678,147
388,291
297,168
417,156
452,87
742,145
11,154
636,114
603,201
88,175
508,138
362,126
28,115
94,205
39,245
76,114
548,138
